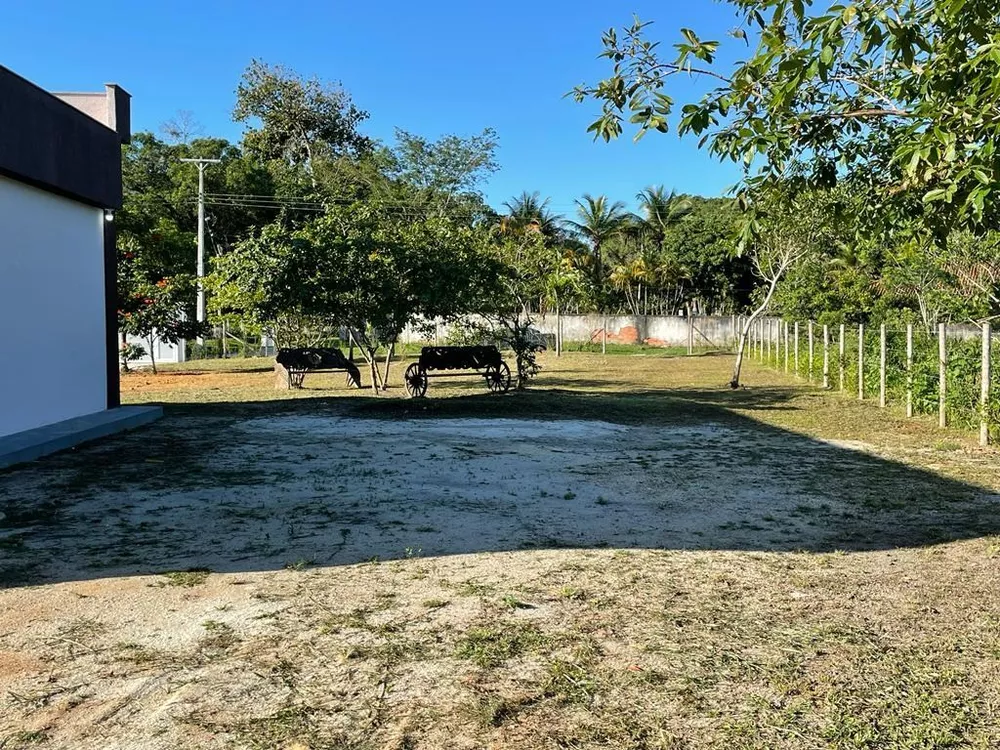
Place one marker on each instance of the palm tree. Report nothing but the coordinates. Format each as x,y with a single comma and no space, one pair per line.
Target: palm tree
662,210
528,212
600,220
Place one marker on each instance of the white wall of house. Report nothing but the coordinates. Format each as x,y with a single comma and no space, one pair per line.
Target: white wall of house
52,363
165,352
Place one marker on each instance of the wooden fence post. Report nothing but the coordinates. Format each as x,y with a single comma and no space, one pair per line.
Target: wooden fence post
776,338
826,357
767,341
942,376
796,347
558,333
909,369
881,366
773,354
809,367
786,347
984,396
861,361
690,332
604,335
843,355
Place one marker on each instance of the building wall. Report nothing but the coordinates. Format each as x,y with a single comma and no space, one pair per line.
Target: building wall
652,330
165,353
716,331
52,302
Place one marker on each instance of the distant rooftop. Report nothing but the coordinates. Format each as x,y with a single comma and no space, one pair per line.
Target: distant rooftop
111,107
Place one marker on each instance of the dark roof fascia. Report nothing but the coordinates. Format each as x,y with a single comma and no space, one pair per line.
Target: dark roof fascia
49,144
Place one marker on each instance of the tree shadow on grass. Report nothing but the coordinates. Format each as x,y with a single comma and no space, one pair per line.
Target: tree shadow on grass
258,486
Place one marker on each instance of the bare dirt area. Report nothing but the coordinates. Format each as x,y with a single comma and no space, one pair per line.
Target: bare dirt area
626,557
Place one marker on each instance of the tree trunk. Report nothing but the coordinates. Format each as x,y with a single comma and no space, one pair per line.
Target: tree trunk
374,372
748,323
121,351
152,356
558,331
388,360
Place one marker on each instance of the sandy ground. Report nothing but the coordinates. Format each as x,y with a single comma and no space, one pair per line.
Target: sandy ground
336,569
326,490
335,490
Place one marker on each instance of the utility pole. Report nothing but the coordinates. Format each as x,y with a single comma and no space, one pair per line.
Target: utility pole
202,163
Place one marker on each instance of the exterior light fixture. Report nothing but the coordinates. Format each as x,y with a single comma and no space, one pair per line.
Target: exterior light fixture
109,215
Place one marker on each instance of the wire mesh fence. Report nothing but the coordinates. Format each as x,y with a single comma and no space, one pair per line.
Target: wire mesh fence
950,371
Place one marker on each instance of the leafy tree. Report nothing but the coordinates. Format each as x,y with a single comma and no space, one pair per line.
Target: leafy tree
959,281
787,230
357,267
717,279
160,198
152,309
529,212
299,121
447,169
661,211
525,268
598,221
895,93
648,268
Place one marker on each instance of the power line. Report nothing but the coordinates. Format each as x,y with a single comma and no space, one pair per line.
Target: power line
382,202
397,210
413,210
560,210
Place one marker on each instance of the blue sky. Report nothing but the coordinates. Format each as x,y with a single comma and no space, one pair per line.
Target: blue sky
428,67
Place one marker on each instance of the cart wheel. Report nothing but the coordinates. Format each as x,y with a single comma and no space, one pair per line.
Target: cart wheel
498,378
416,381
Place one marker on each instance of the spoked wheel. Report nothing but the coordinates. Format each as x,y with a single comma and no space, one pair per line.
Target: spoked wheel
498,378
416,381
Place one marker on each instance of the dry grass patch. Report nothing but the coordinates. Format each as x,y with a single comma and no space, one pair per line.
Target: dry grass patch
684,567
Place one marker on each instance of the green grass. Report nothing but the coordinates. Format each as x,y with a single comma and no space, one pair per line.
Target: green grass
888,638
24,738
490,646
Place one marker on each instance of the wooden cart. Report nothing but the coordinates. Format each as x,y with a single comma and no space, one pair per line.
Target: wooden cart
443,361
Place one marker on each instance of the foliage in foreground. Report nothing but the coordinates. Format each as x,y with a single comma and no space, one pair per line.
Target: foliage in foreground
879,101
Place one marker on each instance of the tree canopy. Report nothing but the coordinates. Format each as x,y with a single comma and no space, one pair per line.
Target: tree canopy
894,94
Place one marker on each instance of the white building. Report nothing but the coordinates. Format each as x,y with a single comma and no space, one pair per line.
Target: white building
163,351
60,181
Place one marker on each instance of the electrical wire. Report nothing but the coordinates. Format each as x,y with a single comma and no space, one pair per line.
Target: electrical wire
228,201
344,201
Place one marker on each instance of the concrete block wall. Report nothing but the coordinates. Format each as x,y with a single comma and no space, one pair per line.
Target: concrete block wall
652,330
717,331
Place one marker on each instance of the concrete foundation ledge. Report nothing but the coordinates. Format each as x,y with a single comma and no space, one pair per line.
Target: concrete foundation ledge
41,441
